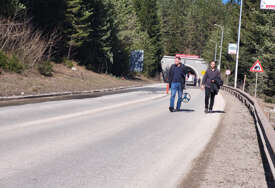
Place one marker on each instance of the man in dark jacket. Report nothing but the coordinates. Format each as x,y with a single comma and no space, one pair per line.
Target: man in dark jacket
211,82
176,83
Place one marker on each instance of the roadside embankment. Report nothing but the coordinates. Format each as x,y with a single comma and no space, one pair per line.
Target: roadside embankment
64,79
233,157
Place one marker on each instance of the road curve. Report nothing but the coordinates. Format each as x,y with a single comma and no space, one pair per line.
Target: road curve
123,140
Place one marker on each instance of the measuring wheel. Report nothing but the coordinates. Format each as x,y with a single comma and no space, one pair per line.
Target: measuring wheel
186,97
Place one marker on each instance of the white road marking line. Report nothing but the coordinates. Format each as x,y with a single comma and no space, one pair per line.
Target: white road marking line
73,115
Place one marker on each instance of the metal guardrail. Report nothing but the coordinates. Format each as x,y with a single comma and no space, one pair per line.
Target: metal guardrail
266,131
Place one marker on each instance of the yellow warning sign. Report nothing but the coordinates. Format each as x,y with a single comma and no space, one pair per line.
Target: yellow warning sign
203,72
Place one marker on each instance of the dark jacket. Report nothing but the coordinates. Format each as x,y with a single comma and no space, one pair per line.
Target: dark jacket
216,85
216,77
171,75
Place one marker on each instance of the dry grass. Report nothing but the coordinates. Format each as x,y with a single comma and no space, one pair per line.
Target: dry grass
25,42
268,109
63,79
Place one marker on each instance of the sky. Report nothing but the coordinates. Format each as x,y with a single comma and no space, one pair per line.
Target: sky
224,1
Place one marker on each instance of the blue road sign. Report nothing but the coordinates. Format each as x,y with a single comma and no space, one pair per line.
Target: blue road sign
137,61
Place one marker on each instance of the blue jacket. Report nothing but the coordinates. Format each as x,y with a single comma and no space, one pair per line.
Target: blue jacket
171,75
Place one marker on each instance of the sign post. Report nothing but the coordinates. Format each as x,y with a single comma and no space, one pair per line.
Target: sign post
238,45
244,80
257,67
227,72
255,95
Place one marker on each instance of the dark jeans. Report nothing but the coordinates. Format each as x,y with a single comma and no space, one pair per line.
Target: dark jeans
208,95
176,87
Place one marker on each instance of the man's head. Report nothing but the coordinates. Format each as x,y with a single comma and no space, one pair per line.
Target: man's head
212,64
178,60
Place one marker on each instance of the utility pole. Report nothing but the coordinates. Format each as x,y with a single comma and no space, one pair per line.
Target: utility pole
238,46
220,58
216,46
215,58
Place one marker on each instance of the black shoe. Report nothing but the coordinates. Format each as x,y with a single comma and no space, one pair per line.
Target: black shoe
171,109
206,110
210,111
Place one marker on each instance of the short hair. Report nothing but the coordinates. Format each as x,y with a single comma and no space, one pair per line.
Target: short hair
178,58
213,61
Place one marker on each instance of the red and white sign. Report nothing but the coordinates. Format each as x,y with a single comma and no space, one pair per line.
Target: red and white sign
227,72
257,67
188,56
268,4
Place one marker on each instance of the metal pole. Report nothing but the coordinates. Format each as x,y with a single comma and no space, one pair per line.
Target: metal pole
244,82
256,85
220,60
215,57
227,79
238,46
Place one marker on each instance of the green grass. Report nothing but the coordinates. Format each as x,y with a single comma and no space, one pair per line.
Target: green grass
46,68
10,64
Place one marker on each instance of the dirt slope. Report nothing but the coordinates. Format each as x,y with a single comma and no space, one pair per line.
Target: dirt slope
64,79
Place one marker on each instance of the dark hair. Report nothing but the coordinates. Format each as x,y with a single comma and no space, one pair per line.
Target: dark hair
178,58
213,61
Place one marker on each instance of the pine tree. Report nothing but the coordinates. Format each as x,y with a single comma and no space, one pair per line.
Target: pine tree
146,11
76,25
259,43
47,15
9,7
96,52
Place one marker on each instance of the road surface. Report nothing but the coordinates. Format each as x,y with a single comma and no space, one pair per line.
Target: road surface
120,141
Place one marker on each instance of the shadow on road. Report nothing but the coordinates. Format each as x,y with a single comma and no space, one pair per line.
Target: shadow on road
185,110
218,111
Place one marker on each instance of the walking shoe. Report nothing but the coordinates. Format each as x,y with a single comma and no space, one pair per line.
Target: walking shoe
210,111
171,109
206,110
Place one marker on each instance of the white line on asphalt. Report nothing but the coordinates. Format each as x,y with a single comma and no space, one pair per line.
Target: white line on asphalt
73,115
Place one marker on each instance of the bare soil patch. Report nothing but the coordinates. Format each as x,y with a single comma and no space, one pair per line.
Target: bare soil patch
64,79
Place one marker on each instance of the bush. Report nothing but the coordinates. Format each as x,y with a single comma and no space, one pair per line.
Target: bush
68,63
14,65
4,60
270,99
27,43
46,68
11,64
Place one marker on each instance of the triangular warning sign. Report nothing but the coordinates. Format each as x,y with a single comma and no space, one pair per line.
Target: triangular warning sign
257,67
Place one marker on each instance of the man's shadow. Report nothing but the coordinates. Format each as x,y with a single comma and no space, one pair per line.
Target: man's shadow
218,111
185,110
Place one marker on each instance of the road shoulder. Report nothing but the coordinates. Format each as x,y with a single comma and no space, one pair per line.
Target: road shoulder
232,158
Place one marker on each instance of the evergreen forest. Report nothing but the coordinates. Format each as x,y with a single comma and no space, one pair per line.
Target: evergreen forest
100,35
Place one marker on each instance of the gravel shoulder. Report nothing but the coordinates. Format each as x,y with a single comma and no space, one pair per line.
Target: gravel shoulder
232,158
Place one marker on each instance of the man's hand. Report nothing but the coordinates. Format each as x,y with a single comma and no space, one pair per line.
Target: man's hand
202,86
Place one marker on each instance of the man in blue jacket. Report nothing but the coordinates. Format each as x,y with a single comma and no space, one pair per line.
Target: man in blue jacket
176,78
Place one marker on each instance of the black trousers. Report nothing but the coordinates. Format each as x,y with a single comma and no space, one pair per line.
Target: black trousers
211,96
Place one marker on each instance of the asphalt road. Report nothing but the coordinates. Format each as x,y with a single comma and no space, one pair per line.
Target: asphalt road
117,141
